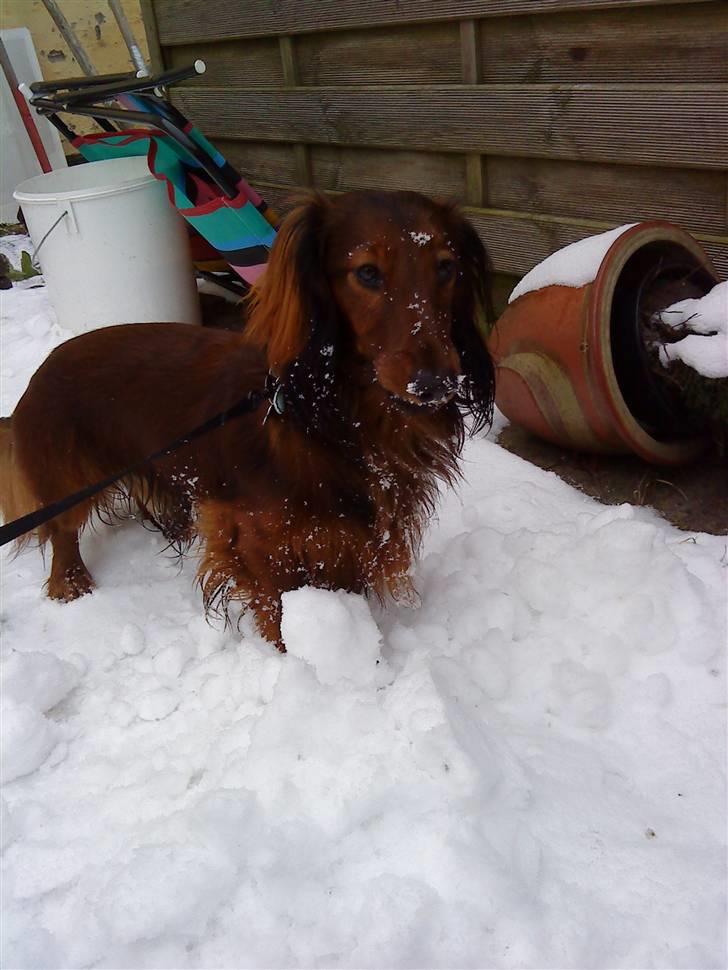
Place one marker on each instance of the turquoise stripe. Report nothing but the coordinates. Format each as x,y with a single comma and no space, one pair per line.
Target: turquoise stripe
229,229
196,135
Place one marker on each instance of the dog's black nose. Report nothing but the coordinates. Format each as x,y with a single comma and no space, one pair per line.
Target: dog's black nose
433,387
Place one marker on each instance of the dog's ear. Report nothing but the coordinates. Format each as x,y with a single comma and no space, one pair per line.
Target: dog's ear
473,318
291,296
293,317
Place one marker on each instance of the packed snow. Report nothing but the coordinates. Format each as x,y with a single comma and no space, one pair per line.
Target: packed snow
527,770
705,324
574,265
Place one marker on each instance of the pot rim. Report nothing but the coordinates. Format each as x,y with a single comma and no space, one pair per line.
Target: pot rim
600,347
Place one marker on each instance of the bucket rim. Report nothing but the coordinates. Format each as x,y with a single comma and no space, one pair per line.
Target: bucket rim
128,184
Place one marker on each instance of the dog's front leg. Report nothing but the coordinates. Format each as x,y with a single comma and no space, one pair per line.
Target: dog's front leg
69,577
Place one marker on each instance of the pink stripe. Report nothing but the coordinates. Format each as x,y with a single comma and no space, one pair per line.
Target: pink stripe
251,274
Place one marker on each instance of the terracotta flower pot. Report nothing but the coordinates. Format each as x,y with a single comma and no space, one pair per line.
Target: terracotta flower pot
571,363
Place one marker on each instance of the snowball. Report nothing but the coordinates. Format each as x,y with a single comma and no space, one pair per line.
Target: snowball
657,690
132,640
574,265
37,679
334,632
26,740
155,705
170,660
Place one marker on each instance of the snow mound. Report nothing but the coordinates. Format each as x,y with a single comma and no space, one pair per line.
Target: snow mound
37,679
26,740
574,265
334,632
705,348
30,685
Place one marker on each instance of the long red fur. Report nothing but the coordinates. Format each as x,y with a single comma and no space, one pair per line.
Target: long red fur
336,490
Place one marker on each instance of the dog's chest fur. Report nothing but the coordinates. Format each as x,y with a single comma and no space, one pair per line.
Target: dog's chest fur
348,517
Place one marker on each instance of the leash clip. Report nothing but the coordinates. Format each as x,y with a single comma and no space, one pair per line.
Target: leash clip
276,396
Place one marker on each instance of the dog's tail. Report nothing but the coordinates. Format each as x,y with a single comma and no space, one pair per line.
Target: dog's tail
16,498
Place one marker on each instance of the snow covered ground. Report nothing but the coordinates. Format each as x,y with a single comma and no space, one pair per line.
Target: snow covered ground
527,771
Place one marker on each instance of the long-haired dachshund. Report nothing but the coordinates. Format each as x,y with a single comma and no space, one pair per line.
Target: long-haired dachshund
369,319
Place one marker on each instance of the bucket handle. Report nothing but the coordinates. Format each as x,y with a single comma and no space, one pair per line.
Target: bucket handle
68,211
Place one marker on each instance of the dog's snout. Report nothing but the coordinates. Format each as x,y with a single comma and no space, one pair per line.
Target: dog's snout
433,387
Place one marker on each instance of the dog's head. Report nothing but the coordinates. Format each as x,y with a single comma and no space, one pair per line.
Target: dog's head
385,287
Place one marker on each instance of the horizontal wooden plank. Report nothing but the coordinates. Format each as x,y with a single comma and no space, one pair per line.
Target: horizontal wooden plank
613,193
269,162
581,190
637,44
672,125
232,63
190,21
433,173
418,54
516,242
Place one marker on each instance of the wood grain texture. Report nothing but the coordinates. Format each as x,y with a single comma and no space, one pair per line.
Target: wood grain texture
261,163
342,169
470,70
471,74
475,183
612,194
672,125
518,243
676,44
412,54
619,193
188,21
301,153
256,63
288,61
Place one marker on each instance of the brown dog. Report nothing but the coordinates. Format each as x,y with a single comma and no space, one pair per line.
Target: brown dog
369,317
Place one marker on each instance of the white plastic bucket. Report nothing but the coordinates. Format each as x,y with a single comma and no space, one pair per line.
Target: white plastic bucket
119,253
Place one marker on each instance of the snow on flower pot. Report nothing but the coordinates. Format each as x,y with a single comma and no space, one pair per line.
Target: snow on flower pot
572,365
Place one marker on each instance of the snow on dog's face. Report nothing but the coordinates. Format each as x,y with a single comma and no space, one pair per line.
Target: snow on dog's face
392,283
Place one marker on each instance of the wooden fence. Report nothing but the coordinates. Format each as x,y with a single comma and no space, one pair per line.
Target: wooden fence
550,120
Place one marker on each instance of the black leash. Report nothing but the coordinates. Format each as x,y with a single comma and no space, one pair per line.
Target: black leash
27,523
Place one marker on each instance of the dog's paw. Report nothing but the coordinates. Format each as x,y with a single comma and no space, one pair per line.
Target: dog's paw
403,592
73,583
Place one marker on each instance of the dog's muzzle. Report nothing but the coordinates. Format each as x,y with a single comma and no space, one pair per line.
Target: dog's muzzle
433,388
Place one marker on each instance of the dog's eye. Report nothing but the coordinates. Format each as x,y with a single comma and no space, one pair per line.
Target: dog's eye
445,270
369,276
